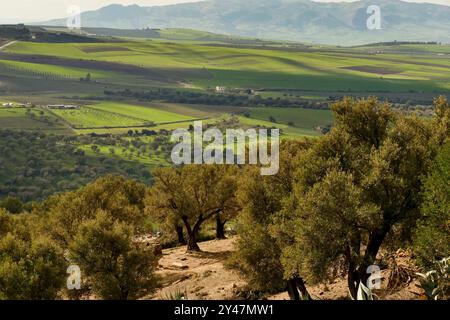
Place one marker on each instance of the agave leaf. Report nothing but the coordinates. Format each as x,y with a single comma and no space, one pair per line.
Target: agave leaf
364,293
360,294
421,275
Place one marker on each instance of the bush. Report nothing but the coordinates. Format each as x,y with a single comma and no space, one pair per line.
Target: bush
30,269
117,267
432,237
12,204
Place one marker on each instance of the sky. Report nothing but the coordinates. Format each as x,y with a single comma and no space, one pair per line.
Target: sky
14,11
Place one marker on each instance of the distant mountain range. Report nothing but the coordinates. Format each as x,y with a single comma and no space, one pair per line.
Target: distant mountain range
296,20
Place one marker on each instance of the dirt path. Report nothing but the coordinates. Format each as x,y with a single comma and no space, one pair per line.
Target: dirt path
201,276
7,45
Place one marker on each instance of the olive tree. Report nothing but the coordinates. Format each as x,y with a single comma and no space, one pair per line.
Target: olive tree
117,266
191,195
260,243
354,187
32,266
432,237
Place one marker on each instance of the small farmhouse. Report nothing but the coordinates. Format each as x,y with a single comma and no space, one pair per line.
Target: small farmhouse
221,89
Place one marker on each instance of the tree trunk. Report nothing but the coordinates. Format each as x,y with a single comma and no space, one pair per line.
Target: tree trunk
180,235
192,245
297,289
124,293
353,283
220,228
292,290
373,246
352,274
302,287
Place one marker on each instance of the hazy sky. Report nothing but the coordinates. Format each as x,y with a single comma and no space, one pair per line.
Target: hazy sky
38,10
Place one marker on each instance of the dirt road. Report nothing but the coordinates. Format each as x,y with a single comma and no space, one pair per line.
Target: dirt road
7,45
201,276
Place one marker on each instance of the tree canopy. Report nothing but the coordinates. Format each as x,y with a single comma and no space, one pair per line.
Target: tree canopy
191,195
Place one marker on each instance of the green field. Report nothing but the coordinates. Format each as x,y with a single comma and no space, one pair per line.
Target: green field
30,119
288,131
49,71
88,118
210,65
301,118
144,113
148,160
141,89
121,115
126,77
410,48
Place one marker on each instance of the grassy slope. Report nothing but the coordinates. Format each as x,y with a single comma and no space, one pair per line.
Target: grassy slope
18,119
50,70
305,120
324,70
88,117
210,65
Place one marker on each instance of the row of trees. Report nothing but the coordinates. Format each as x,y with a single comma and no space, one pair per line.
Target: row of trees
197,97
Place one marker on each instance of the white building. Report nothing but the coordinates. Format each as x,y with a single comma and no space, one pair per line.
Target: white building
221,89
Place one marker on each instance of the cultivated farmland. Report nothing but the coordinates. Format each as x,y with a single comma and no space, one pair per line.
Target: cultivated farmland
143,113
322,69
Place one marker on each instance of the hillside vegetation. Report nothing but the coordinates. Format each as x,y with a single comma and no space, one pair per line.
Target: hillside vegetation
369,192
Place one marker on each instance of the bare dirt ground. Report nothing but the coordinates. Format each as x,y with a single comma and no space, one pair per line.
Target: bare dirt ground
202,276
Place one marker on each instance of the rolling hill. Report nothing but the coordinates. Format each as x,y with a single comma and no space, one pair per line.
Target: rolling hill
295,20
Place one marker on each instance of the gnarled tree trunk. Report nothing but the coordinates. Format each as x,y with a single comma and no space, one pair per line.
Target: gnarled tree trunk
220,228
180,235
297,289
192,245
373,246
